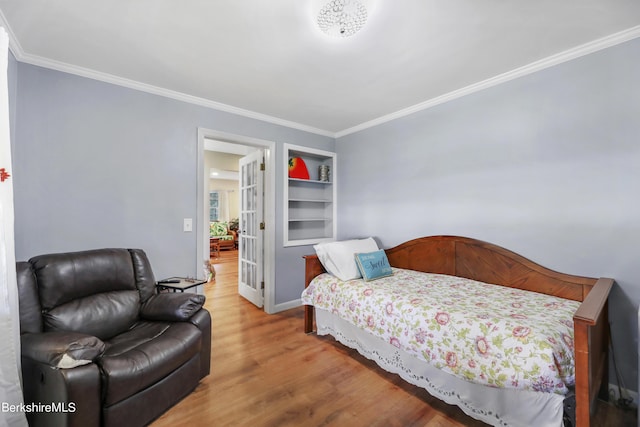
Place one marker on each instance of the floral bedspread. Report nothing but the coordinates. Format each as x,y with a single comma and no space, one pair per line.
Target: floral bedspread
488,334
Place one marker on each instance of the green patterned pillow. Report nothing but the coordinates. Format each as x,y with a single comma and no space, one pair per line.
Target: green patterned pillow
218,229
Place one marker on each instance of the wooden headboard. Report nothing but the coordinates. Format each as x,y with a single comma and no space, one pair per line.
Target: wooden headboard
477,260
486,262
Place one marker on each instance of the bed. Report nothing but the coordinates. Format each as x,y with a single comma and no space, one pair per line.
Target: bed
495,402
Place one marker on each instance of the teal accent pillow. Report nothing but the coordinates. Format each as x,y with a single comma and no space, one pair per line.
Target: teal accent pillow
373,265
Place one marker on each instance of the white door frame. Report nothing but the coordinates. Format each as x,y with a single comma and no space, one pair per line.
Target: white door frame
202,226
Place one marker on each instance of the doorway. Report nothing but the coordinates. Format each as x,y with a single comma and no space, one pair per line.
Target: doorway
243,145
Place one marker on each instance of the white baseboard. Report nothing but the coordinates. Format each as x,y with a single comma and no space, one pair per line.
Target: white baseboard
287,305
614,394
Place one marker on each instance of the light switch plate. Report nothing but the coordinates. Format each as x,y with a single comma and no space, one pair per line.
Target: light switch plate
188,225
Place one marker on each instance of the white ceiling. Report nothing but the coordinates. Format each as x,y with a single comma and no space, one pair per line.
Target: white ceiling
267,59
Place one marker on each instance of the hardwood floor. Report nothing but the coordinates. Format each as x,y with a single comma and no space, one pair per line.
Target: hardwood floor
266,372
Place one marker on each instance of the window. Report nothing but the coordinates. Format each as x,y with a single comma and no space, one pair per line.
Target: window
214,206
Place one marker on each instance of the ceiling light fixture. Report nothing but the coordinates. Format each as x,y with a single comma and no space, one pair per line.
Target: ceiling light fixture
342,18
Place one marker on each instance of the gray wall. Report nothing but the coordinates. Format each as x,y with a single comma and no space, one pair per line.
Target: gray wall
547,165
98,165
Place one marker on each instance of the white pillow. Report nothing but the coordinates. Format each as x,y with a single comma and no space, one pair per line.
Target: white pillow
338,258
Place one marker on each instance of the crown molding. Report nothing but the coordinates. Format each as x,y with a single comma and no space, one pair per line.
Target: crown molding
568,55
39,61
179,96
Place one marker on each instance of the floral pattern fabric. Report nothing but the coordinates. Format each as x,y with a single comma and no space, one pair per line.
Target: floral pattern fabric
487,334
219,230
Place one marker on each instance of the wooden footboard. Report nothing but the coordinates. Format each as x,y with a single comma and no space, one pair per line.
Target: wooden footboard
485,262
591,340
312,268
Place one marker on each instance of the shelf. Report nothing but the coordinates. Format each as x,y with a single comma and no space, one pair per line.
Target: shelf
311,200
309,204
310,181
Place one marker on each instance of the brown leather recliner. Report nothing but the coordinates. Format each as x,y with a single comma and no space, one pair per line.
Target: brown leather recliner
98,343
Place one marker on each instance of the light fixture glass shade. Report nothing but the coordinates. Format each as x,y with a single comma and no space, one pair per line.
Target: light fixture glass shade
342,18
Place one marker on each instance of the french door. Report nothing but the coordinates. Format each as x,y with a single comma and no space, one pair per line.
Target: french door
250,259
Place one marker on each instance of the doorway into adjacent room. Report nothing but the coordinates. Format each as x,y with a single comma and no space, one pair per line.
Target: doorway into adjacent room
243,192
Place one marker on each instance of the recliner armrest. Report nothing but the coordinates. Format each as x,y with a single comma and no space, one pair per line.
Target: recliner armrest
172,307
202,320
63,350
76,391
